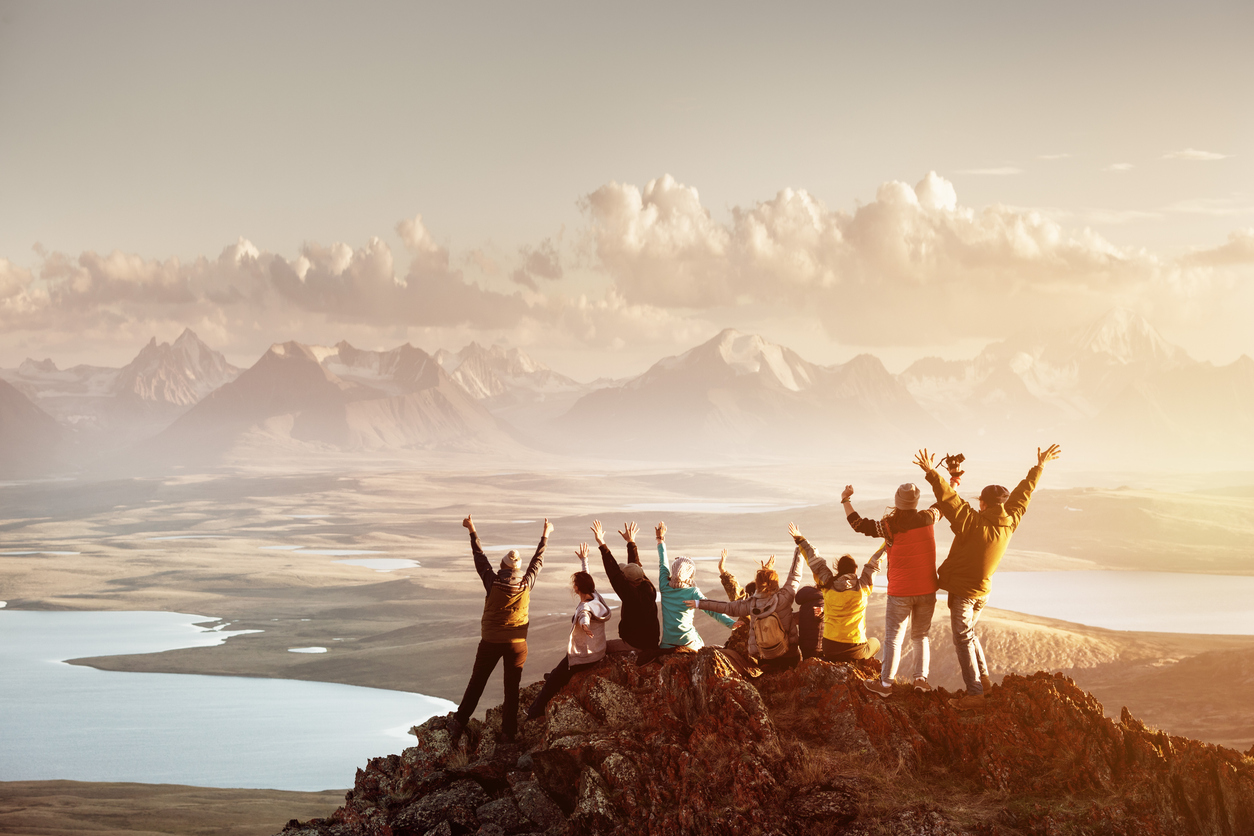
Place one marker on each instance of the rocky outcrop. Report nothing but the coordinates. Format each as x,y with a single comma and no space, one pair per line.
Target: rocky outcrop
686,745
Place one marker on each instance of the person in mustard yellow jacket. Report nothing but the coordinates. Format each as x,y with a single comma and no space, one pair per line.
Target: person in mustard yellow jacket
980,541
503,631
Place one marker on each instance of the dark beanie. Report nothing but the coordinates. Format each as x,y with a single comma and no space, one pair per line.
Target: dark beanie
995,495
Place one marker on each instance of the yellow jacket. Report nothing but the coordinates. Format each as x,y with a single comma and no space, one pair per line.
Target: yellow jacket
844,596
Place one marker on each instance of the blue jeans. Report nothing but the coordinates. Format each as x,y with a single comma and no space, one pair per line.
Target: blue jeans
963,613
917,610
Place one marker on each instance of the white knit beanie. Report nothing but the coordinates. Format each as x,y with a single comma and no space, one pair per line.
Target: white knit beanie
683,570
511,561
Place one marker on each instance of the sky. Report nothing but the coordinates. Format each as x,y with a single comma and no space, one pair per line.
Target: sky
606,185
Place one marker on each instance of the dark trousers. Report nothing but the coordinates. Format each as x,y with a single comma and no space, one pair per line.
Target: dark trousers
486,657
845,652
556,681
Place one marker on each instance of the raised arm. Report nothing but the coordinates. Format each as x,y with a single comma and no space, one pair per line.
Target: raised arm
663,571
733,589
952,507
822,572
537,560
867,579
871,528
612,570
1017,504
794,572
582,554
482,566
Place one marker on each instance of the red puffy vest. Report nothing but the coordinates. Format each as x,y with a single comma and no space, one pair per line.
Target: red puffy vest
912,562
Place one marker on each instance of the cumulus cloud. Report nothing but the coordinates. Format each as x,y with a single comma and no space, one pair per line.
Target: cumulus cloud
1195,155
541,262
1239,249
245,297
13,279
913,265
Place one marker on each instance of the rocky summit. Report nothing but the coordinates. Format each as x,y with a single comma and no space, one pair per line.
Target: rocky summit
690,745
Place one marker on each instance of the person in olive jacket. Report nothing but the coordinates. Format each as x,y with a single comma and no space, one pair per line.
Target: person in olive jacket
503,631
980,541
638,626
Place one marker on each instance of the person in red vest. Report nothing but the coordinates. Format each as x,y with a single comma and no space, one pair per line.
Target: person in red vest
911,539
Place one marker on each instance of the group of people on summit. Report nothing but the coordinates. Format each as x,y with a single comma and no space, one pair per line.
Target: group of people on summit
830,621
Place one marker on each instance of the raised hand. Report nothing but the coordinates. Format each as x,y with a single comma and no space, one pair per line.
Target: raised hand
582,552
1049,455
769,563
846,493
722,563
468,524
793,531
925,460
660,531
548,527
628,532
598,532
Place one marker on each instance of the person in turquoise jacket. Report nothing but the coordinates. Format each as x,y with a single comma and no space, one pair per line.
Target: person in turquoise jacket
677,585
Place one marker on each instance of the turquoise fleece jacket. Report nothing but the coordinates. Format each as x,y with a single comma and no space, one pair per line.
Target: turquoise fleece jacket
677,627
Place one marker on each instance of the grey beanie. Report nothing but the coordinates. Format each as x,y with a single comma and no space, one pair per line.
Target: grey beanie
511,561
633,572
907,498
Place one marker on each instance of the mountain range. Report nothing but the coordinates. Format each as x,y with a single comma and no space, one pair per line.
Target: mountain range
1115,389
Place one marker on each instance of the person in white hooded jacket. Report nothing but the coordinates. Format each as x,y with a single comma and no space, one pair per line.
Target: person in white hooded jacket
586,645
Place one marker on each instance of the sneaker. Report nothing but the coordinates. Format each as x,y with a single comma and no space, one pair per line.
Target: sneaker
967,702
986,683
877,686
920,684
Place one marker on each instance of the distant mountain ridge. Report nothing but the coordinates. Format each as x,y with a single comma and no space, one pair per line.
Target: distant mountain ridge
1109,391
176,374
1115,386
738,392
343,398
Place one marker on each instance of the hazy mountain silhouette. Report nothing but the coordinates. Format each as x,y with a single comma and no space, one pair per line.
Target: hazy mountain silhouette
394,399
738,393
170,377
30,439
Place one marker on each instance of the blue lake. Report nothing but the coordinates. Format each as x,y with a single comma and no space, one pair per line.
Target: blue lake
79,723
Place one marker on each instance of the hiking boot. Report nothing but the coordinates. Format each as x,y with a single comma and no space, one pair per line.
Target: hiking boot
986,683
878,686
455,730
968,702
920,684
